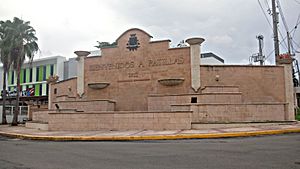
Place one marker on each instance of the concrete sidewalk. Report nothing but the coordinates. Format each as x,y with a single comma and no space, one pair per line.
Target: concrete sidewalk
201,131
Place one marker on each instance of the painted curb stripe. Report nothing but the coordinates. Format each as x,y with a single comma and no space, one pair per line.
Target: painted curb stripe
149,137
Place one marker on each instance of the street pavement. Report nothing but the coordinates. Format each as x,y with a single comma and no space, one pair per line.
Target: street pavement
267,152
199,131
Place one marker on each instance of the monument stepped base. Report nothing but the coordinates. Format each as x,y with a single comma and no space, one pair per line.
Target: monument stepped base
214,104
37,125
117,120
234,112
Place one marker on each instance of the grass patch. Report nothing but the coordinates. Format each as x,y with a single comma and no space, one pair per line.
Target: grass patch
298,116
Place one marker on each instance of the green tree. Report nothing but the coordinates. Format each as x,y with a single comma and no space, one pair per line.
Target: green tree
105,44
6,61
23,44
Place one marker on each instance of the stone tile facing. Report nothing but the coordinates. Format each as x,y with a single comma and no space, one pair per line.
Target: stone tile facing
133,75
119,121
132,97
91,105
246,112
41,116
256,83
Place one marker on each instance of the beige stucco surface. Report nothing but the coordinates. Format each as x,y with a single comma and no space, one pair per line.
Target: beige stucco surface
154,80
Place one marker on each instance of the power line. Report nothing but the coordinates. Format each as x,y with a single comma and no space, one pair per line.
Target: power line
290,44
282,42
274,49
285,45
284,23
296,26
261,7
265,14
282,16
267,4
294,31
296,43
298,21
297,1
266,17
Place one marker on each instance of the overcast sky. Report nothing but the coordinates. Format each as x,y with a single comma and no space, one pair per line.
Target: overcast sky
230,27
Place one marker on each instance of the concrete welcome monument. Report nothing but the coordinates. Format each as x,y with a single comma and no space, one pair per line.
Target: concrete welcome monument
144,84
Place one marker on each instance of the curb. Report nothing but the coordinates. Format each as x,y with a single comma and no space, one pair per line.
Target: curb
150,137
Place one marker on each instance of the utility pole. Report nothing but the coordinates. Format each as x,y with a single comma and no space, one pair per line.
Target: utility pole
289,39
275,29
260,52
258,57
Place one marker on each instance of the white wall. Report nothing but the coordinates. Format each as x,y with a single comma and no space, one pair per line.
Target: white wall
9,118
1,79
60,67
210,61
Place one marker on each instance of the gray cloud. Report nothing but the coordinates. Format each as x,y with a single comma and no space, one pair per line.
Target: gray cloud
229,27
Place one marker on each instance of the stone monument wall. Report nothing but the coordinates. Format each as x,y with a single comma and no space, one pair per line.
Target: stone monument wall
133,75
256,83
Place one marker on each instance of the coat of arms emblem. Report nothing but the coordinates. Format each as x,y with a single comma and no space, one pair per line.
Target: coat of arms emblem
133,42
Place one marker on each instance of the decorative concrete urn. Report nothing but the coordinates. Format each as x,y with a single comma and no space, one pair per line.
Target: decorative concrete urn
82,53
100,85
171,81
195,41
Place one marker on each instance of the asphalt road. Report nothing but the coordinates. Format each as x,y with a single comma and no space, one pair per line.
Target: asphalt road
269,152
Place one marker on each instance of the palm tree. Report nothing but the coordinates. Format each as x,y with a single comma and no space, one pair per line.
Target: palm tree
24,45
105,45
6,61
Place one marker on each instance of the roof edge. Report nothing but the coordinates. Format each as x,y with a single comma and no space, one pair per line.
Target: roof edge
131,30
